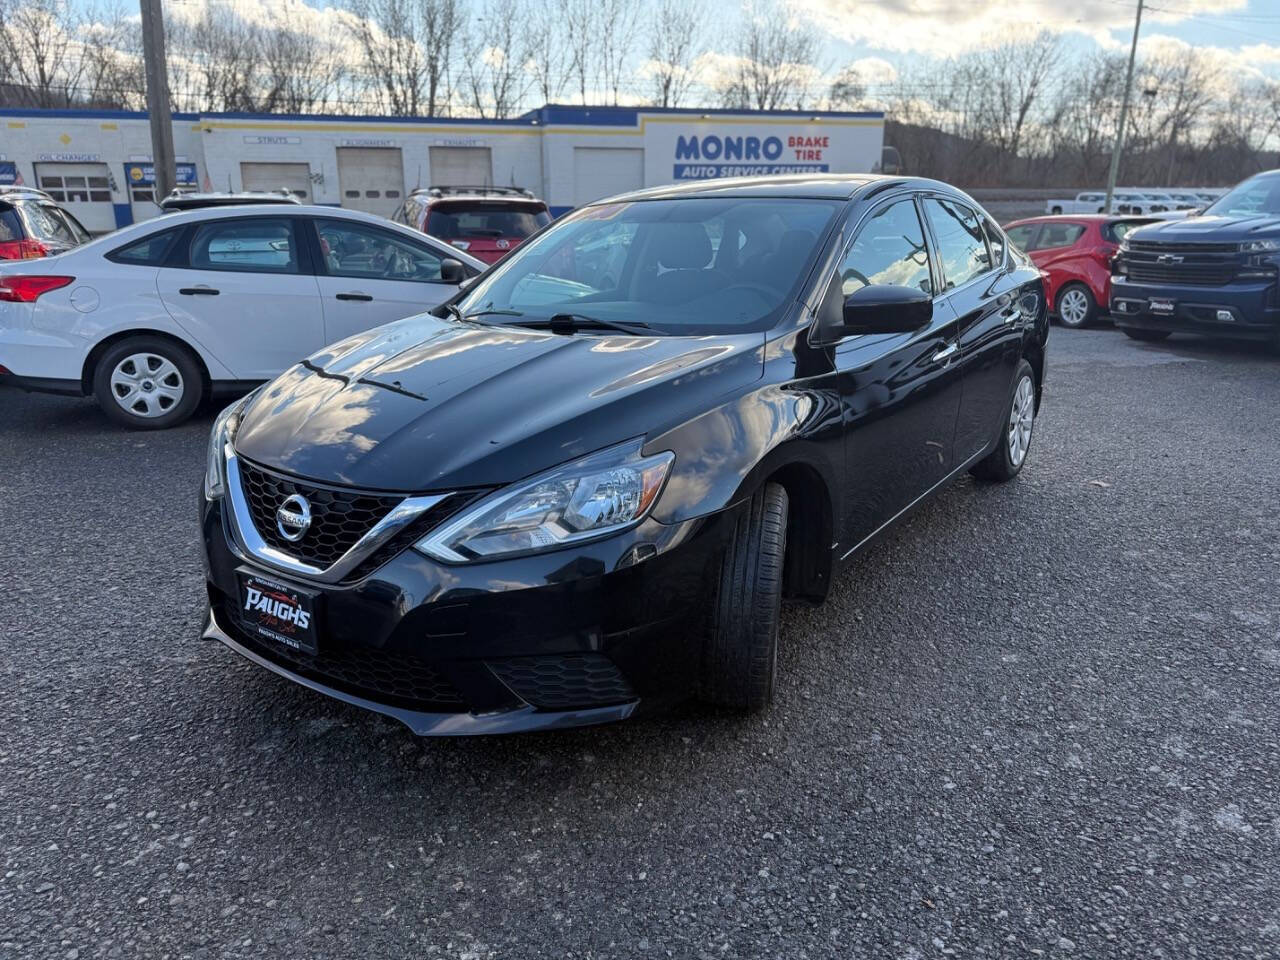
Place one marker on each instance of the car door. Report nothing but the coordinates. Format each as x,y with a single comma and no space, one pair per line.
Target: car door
369,276
979,288
242,287
900,392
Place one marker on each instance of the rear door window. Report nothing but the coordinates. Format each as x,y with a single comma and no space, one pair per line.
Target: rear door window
251,244
10,225
962,247
1059,235
149,251
1024,237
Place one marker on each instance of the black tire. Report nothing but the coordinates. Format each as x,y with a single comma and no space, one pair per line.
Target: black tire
1077,322
740,660
1056,210
1148,336
999,465
163,401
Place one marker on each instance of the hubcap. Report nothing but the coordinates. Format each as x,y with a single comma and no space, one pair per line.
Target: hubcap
1073,308
1022,415
146,385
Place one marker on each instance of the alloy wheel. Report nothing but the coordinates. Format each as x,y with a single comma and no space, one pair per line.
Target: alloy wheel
1073,308
1022,414
146,385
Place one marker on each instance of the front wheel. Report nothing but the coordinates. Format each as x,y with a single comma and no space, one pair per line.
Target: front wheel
1006,460
740,661
1149,336
148,383
1076,307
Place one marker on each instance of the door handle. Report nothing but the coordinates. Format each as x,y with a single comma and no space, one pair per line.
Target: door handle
198,291
353,296
945,353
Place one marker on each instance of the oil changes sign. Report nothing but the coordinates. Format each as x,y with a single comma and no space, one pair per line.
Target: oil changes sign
729,147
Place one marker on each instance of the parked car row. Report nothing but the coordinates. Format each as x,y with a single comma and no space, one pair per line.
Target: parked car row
1215,273
1132,200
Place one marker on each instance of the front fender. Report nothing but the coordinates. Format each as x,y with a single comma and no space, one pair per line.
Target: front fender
725,454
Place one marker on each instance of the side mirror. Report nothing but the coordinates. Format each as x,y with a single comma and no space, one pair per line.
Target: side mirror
885,309
452,271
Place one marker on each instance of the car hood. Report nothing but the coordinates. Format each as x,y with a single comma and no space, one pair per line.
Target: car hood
428,404
1210,229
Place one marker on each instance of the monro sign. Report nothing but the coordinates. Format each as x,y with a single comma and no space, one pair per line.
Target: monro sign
714,155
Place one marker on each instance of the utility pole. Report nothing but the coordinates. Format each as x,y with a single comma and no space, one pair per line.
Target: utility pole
162,158
1124,112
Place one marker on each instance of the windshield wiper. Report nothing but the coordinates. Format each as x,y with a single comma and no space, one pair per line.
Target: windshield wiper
569,322
453,311
492,313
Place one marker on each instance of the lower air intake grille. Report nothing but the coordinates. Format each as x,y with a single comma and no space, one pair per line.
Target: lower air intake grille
384,676
564,681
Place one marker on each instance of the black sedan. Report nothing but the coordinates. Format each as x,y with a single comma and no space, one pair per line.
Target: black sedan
585,486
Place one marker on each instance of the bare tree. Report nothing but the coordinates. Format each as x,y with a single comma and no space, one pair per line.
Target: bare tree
579,26
113,75
495,51
39,50
848,89
675,41
301,71
617,21
546,61
1012,77
408,49
776,60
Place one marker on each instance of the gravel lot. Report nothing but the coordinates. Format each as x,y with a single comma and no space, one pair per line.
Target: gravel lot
1036,719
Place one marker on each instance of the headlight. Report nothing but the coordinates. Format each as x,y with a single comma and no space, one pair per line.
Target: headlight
1259,246
224,430
1124,245
598,495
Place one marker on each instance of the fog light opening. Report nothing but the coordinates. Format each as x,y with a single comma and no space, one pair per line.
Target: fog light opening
1225,316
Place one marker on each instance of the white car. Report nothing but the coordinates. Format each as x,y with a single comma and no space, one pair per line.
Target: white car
155,317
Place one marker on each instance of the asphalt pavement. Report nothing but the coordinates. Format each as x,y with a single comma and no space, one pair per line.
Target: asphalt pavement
1038,719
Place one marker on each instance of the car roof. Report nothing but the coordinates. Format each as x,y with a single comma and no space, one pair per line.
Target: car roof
111,240
815,186
194,201
1077,218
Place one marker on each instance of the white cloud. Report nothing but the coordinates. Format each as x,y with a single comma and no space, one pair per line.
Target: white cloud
945,27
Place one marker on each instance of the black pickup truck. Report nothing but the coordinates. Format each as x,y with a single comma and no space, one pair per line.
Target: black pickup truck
1216,273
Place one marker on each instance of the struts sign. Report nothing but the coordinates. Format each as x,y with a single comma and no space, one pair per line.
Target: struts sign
715,155
278,612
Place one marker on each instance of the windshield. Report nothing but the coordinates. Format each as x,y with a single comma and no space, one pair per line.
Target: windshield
1259,196
489,220
686,266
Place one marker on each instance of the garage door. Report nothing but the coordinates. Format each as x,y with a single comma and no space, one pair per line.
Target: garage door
294,177
82,188
371,179
461,167
603,171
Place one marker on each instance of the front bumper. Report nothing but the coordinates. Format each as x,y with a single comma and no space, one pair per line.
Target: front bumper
572,637
1252,308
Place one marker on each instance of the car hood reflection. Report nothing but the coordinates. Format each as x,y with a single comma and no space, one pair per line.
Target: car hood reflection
428,404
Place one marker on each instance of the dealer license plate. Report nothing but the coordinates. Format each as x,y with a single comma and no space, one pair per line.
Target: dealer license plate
1162,306
278,611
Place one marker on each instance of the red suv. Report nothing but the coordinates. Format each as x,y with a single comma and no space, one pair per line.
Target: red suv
33,226
487,222
1074,253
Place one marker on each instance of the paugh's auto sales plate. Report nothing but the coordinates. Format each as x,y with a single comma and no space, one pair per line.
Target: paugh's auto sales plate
278,611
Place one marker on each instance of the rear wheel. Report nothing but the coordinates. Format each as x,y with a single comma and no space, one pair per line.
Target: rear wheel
1006,460
740,661
1076,306
148,383
1148,335
1056,210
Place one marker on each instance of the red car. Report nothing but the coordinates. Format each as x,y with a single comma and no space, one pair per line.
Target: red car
487,222
1074,253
